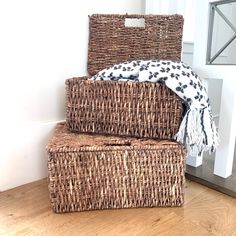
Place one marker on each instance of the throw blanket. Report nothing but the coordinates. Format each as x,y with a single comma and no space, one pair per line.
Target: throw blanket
197,130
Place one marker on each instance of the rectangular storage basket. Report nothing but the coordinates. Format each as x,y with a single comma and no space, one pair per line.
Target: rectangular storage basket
90,172
121,108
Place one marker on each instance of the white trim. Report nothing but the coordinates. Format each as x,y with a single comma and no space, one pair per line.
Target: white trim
227,131
194,161
149,4
183,7
227,126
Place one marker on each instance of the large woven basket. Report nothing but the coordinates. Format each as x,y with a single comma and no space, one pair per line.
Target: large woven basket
120,108
89,172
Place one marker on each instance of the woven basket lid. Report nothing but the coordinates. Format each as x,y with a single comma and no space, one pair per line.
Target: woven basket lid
65,141
111,41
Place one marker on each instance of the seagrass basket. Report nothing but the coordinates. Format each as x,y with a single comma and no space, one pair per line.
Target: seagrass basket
91,172
121,108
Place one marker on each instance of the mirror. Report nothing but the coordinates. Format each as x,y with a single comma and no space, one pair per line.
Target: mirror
221,48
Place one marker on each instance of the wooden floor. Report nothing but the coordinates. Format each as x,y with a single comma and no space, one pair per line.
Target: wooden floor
26,211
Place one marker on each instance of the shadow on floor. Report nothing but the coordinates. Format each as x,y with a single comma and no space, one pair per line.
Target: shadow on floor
204,175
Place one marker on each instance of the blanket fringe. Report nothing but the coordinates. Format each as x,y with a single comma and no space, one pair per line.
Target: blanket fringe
196,135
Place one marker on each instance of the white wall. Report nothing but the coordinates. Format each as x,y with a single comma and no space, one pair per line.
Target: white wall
41,44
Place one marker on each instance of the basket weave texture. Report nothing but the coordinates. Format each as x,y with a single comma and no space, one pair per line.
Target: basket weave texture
89,172
122,108
111,42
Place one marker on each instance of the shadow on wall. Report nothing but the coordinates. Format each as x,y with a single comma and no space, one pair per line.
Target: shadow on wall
25,156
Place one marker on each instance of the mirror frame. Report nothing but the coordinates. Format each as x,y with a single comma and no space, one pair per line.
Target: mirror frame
213,8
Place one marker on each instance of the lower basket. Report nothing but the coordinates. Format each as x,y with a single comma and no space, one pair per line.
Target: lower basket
89,172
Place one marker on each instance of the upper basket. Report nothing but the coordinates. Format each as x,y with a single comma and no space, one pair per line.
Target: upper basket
149,110
112,40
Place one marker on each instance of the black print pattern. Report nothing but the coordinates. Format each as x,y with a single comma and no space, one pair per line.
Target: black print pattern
190,88
181,88
180,78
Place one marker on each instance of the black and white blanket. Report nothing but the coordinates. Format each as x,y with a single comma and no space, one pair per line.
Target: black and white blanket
197,130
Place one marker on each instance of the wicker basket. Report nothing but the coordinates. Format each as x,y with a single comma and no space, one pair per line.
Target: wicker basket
122,108
111,42
119,108
89,172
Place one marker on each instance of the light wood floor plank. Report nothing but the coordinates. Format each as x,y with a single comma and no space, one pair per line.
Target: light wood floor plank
212,211
26,211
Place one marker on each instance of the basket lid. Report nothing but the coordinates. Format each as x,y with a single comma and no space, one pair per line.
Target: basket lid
65,141
112,40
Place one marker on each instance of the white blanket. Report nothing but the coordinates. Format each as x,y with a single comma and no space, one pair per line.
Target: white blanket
197,130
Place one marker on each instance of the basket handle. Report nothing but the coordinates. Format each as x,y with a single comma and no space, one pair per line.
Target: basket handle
118,143
134,16
134,21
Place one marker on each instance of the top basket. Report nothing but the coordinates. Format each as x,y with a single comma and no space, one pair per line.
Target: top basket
122,108
111,41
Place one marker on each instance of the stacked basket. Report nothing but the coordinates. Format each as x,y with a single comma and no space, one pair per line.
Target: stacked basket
115,150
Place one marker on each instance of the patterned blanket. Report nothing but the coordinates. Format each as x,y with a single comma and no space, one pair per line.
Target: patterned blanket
197,130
